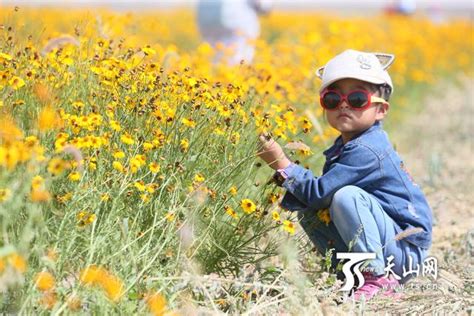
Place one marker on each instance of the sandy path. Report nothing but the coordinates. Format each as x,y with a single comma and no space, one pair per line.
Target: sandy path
437,145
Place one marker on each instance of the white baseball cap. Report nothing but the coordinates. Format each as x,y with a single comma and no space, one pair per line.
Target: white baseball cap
369,67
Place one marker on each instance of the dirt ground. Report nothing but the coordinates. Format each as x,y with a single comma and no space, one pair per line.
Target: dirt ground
437,147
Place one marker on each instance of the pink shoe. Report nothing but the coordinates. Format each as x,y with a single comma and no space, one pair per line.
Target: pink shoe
377,285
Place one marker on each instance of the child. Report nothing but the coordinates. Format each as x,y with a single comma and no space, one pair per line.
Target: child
370,195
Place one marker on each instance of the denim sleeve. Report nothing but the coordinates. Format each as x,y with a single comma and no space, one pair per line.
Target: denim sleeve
357,165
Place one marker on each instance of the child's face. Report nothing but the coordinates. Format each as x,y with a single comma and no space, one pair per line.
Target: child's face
349,121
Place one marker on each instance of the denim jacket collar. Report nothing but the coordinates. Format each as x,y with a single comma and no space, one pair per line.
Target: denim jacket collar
335,149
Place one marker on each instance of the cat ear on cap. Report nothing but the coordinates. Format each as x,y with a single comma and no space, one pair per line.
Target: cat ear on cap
385,59
320,72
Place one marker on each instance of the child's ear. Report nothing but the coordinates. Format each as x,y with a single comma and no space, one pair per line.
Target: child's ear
382,110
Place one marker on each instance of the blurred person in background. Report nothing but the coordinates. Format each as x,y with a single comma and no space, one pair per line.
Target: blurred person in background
233,24
435,12
403,7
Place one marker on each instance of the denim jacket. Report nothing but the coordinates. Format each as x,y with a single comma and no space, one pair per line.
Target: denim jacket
369,162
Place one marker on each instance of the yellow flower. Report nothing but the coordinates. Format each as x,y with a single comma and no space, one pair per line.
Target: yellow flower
305,152
74,176
115,126
275,216
112,286
92,275
137,162
289,227
118,154
219,131
199,178
60,143
78,105
42,93
9,130
272,198
151,187
56,166
224,111
16,82
4,56
170,216
148,146
9,157
5,194
188,122
248,206
141,159
229,210
44,281
48,119
37,182
85,218
31,141
91,218
40,195
154,167
324,216
17,262
234,137
117,166
127,139
184,144
205,49
233,190
306,124
156,304
148,51
140,185
145,197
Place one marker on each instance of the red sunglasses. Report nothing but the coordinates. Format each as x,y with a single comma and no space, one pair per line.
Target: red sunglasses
357,99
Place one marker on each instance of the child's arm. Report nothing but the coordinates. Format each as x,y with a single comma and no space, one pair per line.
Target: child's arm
272,153
356,165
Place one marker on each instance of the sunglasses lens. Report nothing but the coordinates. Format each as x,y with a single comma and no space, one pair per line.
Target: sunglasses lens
331,100
357,99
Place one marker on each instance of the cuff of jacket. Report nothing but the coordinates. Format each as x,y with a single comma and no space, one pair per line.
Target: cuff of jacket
292,172
289,201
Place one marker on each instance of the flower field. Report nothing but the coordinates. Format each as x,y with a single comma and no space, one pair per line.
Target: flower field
129,181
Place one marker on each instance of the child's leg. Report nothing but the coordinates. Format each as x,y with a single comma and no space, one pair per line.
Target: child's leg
323,236
402,251
360,220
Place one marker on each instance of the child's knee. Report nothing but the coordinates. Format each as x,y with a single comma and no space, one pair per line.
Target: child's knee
343,199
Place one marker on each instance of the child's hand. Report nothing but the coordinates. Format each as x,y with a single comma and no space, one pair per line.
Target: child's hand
272,153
